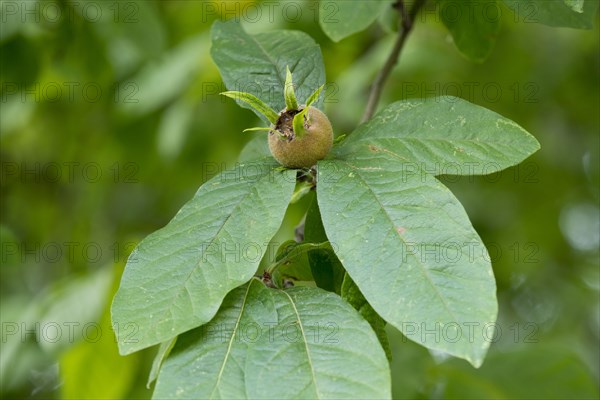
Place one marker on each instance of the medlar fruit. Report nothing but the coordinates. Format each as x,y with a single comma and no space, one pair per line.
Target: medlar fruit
299,135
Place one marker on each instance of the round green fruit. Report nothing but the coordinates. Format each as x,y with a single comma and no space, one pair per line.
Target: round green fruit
301,151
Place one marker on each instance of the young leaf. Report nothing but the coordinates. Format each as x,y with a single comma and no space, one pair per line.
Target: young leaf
177,277
314,96
256,104
298,123
258,63
407,243
474,31
260,128
275,333
290,98
443,135
291,262
294,251
342,18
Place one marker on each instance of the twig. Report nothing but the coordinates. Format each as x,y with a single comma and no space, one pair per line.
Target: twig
407,25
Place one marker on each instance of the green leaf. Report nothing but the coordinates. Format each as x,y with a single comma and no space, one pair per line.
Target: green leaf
256,149
257,105
177,277
257,63
164,349
298,122
407,243
291,259
442,136
314,96
351,293
302,189
260,128
291,262
290,98
327,270
342,18
278,344
473,26
556,12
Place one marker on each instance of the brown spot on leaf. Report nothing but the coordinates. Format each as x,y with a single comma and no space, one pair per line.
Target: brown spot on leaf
400,230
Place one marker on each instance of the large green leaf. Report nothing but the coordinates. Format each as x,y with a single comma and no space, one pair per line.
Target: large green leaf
256,64
342,18
473,26
177,277
442,135
408,245
278,344
556,12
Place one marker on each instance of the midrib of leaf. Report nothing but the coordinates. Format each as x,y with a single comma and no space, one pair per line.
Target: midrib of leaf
422,268
292,68
310,363
398,156
302,79
183,286
233,334
410,141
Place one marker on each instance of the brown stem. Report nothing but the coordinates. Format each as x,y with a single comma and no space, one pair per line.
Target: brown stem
407,19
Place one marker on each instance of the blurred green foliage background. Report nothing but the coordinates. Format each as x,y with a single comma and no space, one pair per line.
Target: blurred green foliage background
111,119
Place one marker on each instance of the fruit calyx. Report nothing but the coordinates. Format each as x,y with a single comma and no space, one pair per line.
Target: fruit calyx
285,124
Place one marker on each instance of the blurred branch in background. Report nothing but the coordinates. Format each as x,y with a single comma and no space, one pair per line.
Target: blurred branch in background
407,19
